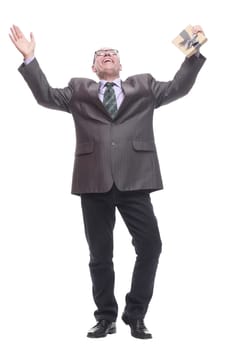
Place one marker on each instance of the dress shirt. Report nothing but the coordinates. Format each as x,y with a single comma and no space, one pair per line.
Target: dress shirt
28,60
117,88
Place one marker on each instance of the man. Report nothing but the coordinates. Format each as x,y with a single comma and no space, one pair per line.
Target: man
116,166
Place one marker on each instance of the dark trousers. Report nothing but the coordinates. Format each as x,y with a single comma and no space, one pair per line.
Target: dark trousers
99,218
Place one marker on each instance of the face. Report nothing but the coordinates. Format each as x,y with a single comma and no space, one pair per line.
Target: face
106,63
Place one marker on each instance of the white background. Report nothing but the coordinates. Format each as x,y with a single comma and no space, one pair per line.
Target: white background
45,294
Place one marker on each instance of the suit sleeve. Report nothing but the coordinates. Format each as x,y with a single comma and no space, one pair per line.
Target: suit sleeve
45,95
166,92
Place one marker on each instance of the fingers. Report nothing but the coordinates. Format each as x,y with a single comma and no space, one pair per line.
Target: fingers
17,36
16,32
197,29
13,35
32,38
12,39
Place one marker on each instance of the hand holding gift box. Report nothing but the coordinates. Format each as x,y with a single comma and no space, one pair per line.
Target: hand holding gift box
190,40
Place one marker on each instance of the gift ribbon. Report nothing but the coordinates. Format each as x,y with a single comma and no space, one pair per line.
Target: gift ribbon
189,41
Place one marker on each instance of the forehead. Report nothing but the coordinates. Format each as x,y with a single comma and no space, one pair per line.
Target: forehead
104,48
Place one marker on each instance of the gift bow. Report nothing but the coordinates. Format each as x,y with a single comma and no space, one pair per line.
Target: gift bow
189,41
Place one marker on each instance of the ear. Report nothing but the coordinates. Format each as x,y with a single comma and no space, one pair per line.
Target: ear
120,67
94,68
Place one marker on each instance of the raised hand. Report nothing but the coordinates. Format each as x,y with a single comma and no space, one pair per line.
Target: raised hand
197,29
26,47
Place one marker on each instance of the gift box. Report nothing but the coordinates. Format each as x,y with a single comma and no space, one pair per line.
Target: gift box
188,42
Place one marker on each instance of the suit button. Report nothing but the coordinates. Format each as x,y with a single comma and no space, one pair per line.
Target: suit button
113,144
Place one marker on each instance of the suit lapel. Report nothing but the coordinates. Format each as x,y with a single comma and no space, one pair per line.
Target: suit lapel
127,90
93,90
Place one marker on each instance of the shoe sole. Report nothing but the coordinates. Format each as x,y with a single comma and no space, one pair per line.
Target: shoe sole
126,321
111,331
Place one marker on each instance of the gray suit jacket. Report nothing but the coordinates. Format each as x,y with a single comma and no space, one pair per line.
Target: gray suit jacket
121,151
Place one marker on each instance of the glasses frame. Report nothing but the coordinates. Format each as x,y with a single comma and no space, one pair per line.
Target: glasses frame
102,53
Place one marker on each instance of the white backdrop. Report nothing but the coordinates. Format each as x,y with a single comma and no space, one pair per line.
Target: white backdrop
43,252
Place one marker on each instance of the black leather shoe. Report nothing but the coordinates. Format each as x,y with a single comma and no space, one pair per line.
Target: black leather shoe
138,328
101,329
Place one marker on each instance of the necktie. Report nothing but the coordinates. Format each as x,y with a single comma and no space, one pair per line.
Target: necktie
109,100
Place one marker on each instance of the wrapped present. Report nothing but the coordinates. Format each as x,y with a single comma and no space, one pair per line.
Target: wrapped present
188,42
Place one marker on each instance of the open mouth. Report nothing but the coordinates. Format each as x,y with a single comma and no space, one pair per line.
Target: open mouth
107,60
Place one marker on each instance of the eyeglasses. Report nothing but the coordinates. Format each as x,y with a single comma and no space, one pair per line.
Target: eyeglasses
110,52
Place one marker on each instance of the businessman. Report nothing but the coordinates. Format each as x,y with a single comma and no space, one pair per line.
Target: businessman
115,166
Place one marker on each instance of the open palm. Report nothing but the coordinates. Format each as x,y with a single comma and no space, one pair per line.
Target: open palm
26,47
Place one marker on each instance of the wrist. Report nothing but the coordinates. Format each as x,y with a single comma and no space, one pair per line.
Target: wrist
28,56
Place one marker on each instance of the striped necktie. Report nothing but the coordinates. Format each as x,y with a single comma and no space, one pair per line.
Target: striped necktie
109,101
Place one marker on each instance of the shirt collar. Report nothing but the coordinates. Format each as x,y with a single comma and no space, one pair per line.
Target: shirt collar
116,81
